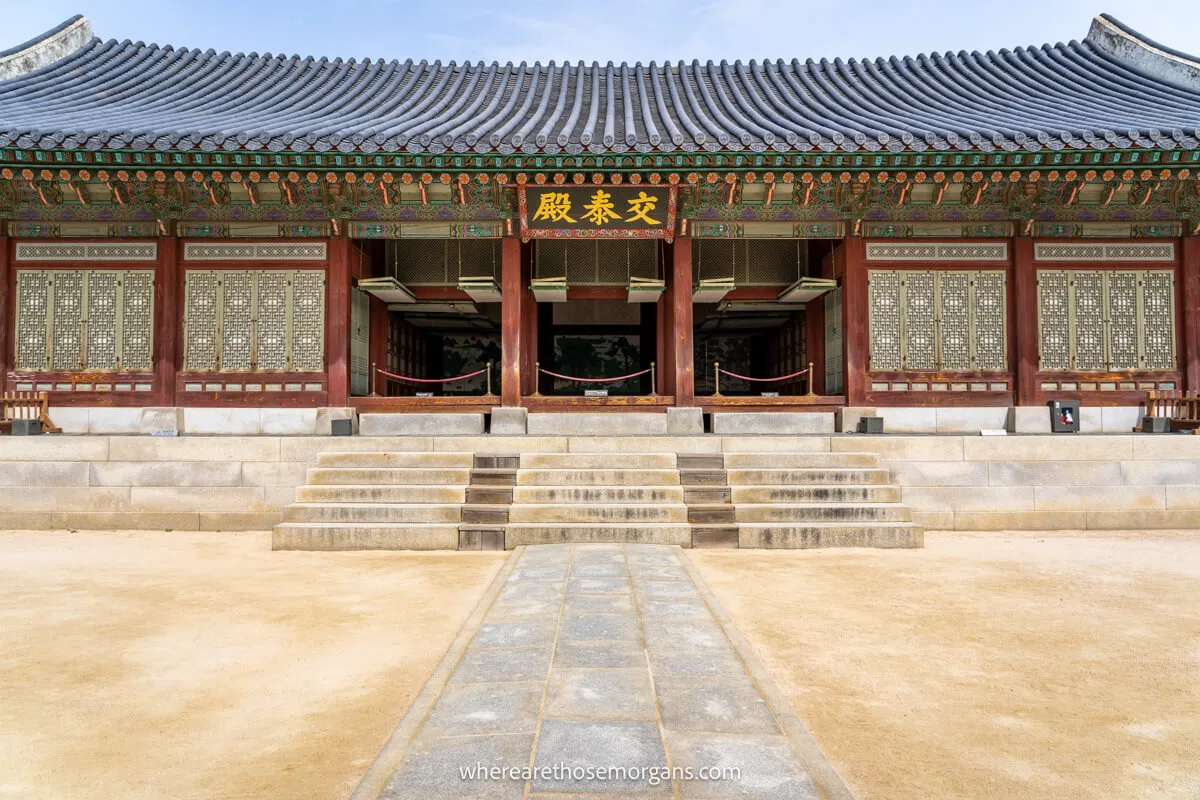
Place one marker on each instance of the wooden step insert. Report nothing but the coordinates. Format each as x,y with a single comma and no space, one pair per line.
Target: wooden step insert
708,497
489,495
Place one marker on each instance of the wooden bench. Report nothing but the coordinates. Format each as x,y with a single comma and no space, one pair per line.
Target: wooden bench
26,405
1181,408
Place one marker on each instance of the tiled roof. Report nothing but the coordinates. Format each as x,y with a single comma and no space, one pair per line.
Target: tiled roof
1113,89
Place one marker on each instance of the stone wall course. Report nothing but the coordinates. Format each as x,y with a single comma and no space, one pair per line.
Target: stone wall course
1055,473
196,498
1020,521
166,473
1099,498
44,473
1170,473
938,473
1061,447
903,448
969,498
53,448
193,448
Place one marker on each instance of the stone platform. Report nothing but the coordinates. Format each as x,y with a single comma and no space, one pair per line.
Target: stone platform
600,657
949,481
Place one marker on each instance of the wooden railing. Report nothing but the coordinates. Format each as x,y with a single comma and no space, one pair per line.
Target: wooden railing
1182,408
26,405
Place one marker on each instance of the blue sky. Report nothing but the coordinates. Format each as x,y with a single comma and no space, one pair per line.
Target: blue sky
600,30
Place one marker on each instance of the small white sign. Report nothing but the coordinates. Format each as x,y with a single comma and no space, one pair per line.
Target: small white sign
424,394
164,433
595,392
770,394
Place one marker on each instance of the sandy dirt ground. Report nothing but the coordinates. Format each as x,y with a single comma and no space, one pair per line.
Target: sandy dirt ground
1020,667
147,666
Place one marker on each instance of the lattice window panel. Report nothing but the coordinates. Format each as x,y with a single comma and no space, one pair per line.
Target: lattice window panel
751,262
254,320
103,320
360,342
1054,322
308,321
833,342
1099,320
441,262
918,310
925,320
238,290
71,320
884,294
596,262
989,310
33,320
1158,320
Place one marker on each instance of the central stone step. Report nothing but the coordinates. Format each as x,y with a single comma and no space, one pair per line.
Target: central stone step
519,533
371,512
628,513
598,477
597,494
821,512
784,477
380,475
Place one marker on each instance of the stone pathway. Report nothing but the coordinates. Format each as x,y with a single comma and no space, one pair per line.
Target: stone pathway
598,657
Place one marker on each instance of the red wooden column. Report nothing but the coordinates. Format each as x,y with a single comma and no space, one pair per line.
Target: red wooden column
8,311
681,351
168,319
529,324
1189,274
337,324
814,342
379,344
511,321
855,337
1024,322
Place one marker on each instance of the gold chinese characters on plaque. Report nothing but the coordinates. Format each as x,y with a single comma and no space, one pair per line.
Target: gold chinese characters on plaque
594,212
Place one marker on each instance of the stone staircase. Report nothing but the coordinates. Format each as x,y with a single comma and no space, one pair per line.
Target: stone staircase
368,501
801,500
598,497
475,501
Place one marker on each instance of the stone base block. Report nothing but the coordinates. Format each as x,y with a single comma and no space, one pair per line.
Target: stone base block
971,419
327,414
685,420
612,424
162,421
908,420
222,421
778,423
421,425
510,421
845,420
1028,419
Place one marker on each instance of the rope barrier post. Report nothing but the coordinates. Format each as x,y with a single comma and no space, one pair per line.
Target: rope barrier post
716,379
373,373
653,382
537,373
808,381
489,381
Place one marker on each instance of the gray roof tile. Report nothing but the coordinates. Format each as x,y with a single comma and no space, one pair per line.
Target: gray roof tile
1113,89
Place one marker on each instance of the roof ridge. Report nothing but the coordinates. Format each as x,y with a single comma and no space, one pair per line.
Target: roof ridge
1119,40
62,40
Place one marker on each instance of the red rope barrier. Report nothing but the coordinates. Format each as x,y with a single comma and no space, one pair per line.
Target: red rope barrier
430,380
593,380
761,380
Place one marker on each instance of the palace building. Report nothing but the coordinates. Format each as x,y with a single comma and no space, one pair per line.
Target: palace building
186,229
